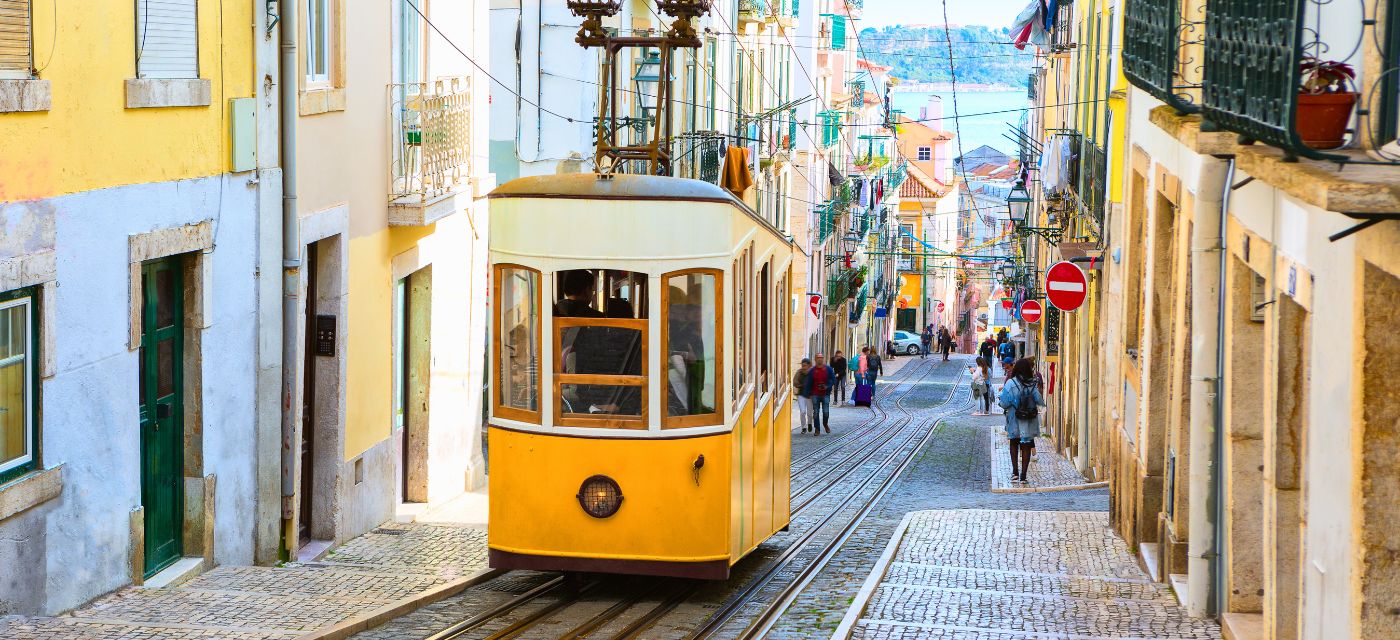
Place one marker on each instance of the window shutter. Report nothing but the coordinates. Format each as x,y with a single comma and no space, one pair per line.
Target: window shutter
166,42
838,32
14,39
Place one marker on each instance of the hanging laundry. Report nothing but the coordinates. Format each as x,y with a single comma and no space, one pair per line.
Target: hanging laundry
736,176
1052,11
833,176
1029,26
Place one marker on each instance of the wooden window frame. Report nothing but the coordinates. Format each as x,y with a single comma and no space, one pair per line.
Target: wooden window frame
764,323
28,297
783,318
498,410
602,421
314,80
705,419
28,72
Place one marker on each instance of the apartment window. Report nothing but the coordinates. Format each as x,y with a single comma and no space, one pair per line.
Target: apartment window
318,41
410,42
167,39
19,430
925,153
16,44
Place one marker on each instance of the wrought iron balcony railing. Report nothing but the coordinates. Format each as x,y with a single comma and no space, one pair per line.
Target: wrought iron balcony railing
1162,50
1093,174
697,155
1253,53
430,139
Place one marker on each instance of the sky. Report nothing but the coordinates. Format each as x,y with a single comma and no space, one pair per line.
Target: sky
993,13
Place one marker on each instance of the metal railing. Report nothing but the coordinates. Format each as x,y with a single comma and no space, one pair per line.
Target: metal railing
1062,38
430,138
697,155
1093,174
1253,52
1161,50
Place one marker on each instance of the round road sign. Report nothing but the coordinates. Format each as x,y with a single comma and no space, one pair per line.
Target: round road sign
1031,311
940,306
1066,286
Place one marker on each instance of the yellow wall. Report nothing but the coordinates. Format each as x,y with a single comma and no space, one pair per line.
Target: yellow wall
369,365
88,139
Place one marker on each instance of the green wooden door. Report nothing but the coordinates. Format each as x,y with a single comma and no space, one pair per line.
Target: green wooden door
162,424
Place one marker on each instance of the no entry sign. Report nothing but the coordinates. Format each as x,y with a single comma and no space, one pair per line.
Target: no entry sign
1031,311
1066,286
940,306
814,302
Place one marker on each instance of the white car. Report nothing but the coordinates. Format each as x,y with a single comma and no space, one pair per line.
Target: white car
905,342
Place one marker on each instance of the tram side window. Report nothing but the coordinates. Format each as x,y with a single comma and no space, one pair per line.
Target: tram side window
764,328
691,305
518,328
600,340
781,310
740,325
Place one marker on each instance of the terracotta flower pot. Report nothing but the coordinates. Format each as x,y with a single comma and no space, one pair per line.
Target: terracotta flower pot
1323,118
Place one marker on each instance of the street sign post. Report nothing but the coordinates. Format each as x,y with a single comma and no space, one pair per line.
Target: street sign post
1066,286
1031,311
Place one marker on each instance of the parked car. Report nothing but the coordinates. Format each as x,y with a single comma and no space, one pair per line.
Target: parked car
905,342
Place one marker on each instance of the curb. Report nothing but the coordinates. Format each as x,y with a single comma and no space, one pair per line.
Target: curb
1063,487
347,628
877,575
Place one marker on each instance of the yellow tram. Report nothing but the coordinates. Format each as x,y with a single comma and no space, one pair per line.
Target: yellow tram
639,353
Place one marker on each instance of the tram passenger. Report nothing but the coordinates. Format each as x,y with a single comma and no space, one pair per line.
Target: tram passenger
578,296
685,362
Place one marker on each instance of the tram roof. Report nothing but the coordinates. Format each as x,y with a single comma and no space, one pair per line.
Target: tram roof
616,187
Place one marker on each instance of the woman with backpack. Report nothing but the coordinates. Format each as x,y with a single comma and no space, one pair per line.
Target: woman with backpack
1021,401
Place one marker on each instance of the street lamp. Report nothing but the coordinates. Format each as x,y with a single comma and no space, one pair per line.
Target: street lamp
850,242
1008,272
648,80
1018,203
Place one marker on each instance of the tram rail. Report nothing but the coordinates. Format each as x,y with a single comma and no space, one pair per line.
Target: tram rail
568,593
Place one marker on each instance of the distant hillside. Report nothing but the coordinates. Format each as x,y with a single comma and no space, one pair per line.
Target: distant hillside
920,54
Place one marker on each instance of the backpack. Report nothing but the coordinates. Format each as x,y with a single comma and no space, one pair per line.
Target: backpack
1026,408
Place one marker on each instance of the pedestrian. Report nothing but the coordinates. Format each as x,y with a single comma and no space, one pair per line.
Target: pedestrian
926,340
819,382
839,366
874,369
945,343
988,350
799,390
1021,401
864,394
1007,352
982,386
889,349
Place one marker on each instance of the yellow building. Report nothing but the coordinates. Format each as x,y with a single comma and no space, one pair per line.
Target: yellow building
1228,376
138,293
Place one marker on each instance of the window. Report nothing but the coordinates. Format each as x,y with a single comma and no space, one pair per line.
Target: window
690,303
925,153
517,327
318,41
167,40
410,42
600,349
740,324
782,308
19,432
16,44
765,336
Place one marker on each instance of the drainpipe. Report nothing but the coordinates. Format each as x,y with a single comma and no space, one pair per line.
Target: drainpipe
1205,429
1222,553
291,266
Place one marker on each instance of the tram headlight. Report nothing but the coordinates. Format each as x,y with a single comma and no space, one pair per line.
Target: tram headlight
600,496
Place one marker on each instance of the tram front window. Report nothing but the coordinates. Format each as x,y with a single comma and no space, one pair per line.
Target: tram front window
690,344
600,338
518,325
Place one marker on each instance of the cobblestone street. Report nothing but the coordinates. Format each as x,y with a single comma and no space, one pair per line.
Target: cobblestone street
975,561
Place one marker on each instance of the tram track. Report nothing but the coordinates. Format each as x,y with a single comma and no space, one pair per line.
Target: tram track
524,613
902,456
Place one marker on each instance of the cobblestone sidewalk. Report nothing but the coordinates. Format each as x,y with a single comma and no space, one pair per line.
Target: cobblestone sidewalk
380,569
1002,575
1050,471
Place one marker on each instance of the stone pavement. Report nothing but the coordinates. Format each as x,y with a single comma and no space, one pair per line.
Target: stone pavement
1050,471
1001,575
393,564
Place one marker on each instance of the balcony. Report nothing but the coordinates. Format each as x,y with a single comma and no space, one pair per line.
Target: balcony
697,155
1251,80
430,147
1091,186
1159,41
753,10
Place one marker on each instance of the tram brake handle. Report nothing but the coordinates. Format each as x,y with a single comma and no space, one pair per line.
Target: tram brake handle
699,462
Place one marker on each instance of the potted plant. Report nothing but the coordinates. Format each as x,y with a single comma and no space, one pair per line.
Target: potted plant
1325,102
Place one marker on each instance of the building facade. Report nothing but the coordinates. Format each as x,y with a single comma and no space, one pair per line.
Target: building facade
139,203
1224,373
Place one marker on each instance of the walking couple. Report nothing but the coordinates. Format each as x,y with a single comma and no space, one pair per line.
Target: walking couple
812,385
